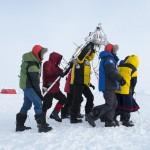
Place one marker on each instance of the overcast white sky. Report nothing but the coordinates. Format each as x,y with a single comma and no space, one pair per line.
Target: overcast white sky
56,24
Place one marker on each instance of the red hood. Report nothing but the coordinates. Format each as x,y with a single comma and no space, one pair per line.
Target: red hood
109,47
36,51
55,58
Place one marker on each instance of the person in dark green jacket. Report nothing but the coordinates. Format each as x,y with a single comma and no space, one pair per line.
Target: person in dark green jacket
30,84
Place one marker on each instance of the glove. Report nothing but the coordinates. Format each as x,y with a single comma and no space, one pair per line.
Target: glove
122,82
71,64
61,74
92,86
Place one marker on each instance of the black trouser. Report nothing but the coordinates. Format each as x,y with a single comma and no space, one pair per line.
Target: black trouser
67,107
107,109
124,116
78,90
49,98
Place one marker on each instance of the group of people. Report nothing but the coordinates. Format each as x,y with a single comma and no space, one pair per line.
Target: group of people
116,82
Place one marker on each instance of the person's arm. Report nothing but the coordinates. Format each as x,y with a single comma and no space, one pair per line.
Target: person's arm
34,78
111,71
65,72
133,84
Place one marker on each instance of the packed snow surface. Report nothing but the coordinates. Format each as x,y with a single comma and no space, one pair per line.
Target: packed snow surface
74,136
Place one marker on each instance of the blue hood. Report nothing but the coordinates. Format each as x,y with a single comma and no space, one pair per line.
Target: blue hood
105,54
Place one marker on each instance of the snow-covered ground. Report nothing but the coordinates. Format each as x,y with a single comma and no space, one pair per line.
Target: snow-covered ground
77,136
57,25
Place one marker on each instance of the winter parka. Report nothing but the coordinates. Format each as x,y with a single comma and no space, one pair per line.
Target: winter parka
81,70
129,71
51,71
109,78
30,69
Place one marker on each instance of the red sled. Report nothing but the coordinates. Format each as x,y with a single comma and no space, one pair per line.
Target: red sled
8,91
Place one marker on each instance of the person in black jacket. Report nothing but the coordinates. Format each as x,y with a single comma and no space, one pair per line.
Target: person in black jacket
81,82
109,81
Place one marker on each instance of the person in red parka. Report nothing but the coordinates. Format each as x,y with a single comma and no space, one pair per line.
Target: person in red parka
51,71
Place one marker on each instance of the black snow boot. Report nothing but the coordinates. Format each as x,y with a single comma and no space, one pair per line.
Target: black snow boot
125,118
110,124
41,123
64,116
64,113
75,120
128,123
54,115
90,119
79,115
20,120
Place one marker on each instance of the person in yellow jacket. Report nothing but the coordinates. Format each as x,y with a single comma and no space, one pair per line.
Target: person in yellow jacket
126,102
80,82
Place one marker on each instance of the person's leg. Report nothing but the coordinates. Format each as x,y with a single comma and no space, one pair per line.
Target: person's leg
26,104
65,111
22,115
47,103
89,99
36,100
41,123
126,119
79,115
77,95
111,102
61,101
107,110
95,114
39,115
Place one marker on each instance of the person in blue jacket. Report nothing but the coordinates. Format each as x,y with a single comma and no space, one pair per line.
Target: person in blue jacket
109,81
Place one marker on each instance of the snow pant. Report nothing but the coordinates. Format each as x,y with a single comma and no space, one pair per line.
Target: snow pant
78,90
106,110
49,98
127,103
30,97
124,116
67,107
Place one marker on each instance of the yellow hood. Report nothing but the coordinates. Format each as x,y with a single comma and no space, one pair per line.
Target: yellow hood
134,60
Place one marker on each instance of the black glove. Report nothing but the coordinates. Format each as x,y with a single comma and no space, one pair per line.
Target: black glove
62,74
92,86
122,82
71,64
